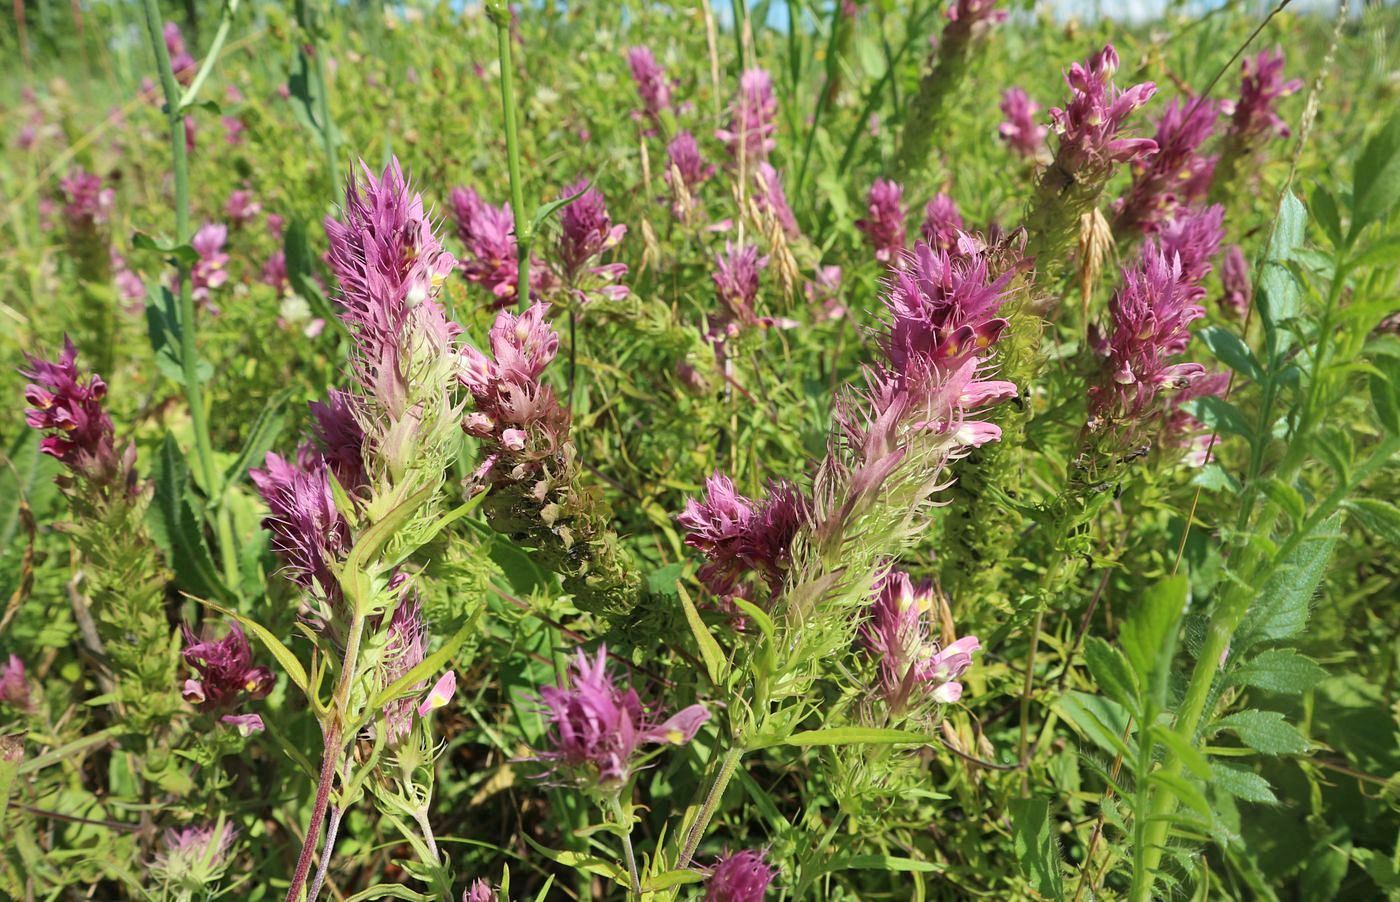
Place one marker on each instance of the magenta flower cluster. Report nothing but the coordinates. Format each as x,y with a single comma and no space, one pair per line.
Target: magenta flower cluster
883,226
226,675
751,125
771,198
943,223
652,85
1089,126
70,411
1254,118
910,663
210,270
1020,130
86,202
736,277
596,728
14,685
181,63
488,234
742,876
739,536
308,533
1176,174
586,233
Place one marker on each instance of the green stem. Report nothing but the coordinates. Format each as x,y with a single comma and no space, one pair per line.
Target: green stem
186,325
212,56
323,102
741,22
837,24
624,820
500,16
707,809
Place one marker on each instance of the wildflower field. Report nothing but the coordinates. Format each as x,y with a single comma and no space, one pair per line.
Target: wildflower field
902,449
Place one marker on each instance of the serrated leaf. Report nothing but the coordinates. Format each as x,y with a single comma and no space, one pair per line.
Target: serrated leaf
1279,294
1183,750
1376,179
1380,518
1184,790
1240,783
1385,400
1280,610
1035,845
1148,637
1113,674
175,527
1230,350
1265,731
1280,670
1102,721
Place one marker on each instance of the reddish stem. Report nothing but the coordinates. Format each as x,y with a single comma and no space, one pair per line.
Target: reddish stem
329,756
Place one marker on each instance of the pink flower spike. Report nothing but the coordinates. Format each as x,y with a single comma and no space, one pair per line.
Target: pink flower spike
440,694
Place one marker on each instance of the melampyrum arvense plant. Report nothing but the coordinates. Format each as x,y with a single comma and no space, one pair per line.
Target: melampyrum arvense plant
876,468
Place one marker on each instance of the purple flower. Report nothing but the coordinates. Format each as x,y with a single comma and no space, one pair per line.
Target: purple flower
652,86
488,232
233,130
909,661
308,533
130,286
741,877
1150,317
1254,119
80,434
1176,174
195,856
736,277
1194,239
87,203
1181,429
403,650
181,63
479,891
943,223
586,233
189,134
245,724
226,672
770,197
684,155
824,292
739,536
1234,278
884,226
340,438
241,207
208,271
1019,129
1089,125
274,272
14,685
596,727
751,127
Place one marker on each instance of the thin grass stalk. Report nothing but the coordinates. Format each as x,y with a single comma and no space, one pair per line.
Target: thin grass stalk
499,14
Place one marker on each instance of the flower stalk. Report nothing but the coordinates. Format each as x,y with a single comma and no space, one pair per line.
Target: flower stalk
499,13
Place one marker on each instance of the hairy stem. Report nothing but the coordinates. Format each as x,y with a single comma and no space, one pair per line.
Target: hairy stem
707,808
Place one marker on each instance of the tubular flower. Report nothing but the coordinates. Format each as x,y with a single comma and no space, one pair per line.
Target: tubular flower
652,85
884,226
181,63
909,661
596,728
770,197
1254,118
741,877
479,891
80,433
739,536
736,276
86,203
241,207
1150,317
1194,239
389,265
1176,175
1234,278
1019,130
14,685
209,270
1089,125
195,858
586,233
340,438
226,672
943,223
403,650
308,533
751,126
488,232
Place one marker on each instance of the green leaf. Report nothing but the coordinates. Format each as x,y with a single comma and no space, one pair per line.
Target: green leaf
1323,207
1183,750
182,253
1113,673
1385,394
262,435
1281,609
892,863
1221,416
1286,497
1376,179
1036,848
1380,518
1279,296
710,651
668,879
1149,634
1265,731
179,531
848,736
1382,254
1101,721
1184,790
545,210
369,543
1240,783
1280,670
1230,350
